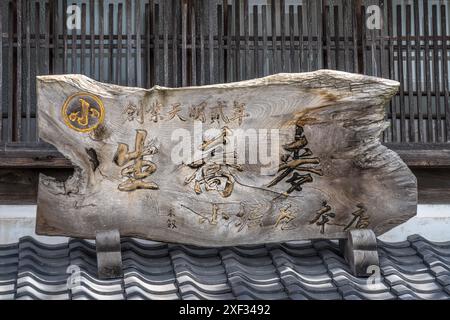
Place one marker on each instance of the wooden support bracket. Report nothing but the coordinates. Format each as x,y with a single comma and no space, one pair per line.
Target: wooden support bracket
109,256
360,251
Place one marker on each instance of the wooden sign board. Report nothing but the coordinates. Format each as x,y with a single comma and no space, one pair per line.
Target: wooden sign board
289,156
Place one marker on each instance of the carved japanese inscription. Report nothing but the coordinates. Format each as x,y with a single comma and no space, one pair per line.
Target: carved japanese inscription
286,157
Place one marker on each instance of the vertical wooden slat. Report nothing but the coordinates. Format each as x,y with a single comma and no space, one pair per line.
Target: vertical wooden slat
92,37
55,36
175,42
156,55
355,35
165,11
256,65
119,43
400,72
364,66
309,31
436,74
273,18
83,38
64,31
1,74
237,40
346,28
384,65
445,75
202,43
292,66
336,36
230,44
220,28
418,50
264,32
73,44
101,40
246,41
149,37
327,19
184,66
10,78
319,14
193,45
19,70
426,28
393,105
283,36
37,37
138,43
27,20
300,37
211,42
111,42
409,76
47,16
129,60
226,40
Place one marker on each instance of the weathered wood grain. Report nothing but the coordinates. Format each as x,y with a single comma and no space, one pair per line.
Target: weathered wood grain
333,173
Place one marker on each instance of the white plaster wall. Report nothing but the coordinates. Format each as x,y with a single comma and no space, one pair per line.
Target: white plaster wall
431,222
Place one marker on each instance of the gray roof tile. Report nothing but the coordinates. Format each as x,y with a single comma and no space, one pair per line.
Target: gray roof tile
413,269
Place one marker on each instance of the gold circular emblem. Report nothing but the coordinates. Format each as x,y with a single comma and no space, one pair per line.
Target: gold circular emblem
83,112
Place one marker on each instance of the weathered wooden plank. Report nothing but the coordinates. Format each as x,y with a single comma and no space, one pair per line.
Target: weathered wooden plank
20,186
325,174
